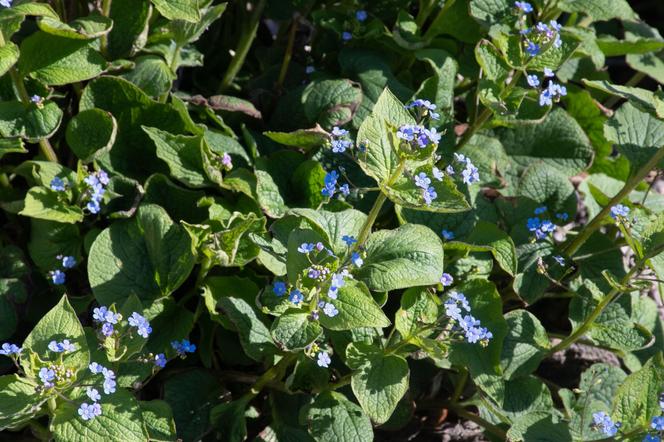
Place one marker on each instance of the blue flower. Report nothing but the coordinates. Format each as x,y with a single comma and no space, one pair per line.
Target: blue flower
6,3
39,101
357,259
562,216
323,359
533,224
545,98
93,206
309,70
548,73
470,174
57,277
142,325
160,360
306,247
62,347
8,349
346,36
361,15
437,173
330,310
560,260
46,375
89,412
95,368
446,280
540,210
429,195
107,329
183,347
295,296
349,240
651,438
93,394
330,183
461,299
338,132
619,211
533,81
340,146
109,385
542,27
58,185
524,6
657,423
447,235
422,180
452,310
344,189
279,288
533,49
68,262
605,424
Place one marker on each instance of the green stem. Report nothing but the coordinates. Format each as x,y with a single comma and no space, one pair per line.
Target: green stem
243,46
458,390
4,180
275,373
106,12
173,67
596,222
426,6
599,308
289,53
206,265
435,23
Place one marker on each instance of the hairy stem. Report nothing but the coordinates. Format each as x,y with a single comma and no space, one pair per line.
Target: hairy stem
246,39
576,243
289,52
106,12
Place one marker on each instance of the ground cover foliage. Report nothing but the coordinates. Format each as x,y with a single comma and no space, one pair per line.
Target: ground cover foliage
303,220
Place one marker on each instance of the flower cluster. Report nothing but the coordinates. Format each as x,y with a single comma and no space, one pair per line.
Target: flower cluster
417,136
52,375
11,350
182,348
470,174
619,212
423,181
524,7
141,324
37,101
425,108
447,235
603,422
96,182
58,276
541,35
340,142
226,162
6,3
107,318
331,185
656,424
467,324
542,228
62,347
553,92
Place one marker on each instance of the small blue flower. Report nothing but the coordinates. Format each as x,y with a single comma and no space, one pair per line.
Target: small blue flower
562,216
160,360
8,349
447,235
429,195
58,184
651,438
57,277
340,146
338,132
107,329
344,189
470,174
533,81
560,260
279,288
548,73
330,310
452,310
142,325
540,210
62,347
526,7
306,247
93,206
361,15
89,412
446,280
619,211
533,224
542,27
346,36
6,3
349,240
93,394
657,423
461,299
422,180
437,173
533,49
95,368
109,385
357,259
295,296
605,424
323,359
309,70
547,226
68,262
46,375
183,347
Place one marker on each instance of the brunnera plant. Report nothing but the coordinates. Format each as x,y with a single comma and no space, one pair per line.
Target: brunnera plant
330,220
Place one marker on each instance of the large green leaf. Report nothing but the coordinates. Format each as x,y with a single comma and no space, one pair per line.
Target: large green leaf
186,10
148,256
295,329
409,256
91,134
8,57
333,418
130,24
18,401
42,203
334,225
357,308
58,60
331,102
158,419
637,400
599,9
151,74
487,237
85,28
418,307
524,346
29,121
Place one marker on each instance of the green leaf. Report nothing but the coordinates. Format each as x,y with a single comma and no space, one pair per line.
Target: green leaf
331,102
333,418
613,47
130,25
18,401
334,225
554,57
381,159
59,323
29,121
539,427
48,239
558,142
295,329
379,384
148,256
599,10
158,419
524,346
186,32
411,255
120,421
42,203
418,307
58,61
85,28
636,134
357,308
183,154
488,12
549,187
180,203
186,10
491,61
487,237
151,74
229,420
11,145
642,98
8,57
305,139
406,194
91,134
637,400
